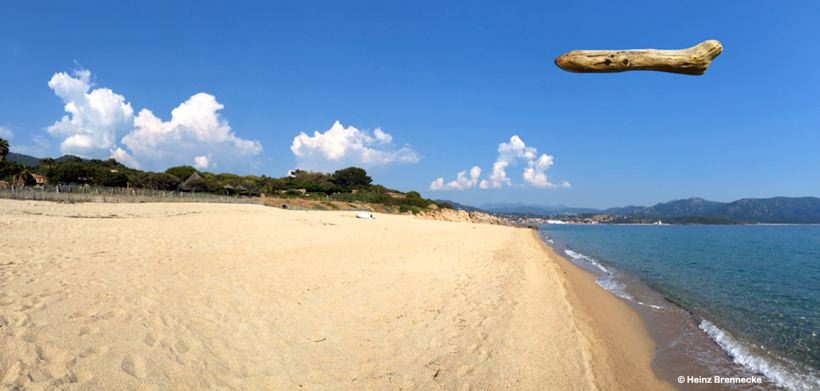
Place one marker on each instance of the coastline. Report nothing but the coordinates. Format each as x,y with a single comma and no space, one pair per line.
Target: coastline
687,344
215,295
612,323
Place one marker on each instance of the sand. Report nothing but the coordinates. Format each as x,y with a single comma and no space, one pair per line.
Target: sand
193,296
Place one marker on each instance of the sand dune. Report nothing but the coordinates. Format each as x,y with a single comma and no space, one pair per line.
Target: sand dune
164,296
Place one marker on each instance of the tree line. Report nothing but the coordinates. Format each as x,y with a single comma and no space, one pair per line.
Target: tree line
348,184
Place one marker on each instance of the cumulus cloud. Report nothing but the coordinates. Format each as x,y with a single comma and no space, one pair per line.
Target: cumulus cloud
96,117
341,145
125,158
509,154
535,176
462,181
498,177
101,124
195,133
201,162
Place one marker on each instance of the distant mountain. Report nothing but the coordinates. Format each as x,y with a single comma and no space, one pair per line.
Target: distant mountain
537,210
678,208
774,210
30,161
795,210
761,210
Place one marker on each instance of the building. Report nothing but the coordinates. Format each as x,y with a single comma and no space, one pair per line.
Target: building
39,179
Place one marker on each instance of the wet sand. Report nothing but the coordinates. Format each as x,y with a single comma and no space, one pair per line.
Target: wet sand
159,296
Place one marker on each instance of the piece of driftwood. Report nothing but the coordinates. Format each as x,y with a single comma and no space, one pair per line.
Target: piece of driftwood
690,61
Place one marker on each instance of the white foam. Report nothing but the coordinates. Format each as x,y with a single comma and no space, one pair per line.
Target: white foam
609,280
590,260
776,373
611,284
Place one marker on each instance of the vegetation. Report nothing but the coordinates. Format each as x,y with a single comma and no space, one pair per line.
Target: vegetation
350,185
4,149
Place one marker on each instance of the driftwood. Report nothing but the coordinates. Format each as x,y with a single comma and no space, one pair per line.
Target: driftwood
690,61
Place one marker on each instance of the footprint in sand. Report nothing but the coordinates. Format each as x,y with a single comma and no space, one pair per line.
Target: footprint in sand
102,349
150,339
89,330
134,366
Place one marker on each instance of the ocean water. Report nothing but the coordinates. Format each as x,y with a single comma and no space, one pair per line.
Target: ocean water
753,290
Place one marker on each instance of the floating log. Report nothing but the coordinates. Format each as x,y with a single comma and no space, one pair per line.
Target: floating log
690,61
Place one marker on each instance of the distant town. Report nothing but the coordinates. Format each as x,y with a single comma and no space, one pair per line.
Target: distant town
580,219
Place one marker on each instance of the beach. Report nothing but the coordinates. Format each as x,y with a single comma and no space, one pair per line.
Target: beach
193,296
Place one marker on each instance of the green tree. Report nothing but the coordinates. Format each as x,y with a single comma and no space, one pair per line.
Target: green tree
4,149
352,177
24,178
9,169
155,181
181,172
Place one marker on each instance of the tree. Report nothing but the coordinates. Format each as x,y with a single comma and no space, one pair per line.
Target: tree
155,181
4,149
352,177
9,169
24,178
181,172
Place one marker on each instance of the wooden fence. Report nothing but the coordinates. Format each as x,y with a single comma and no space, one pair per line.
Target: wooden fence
116,194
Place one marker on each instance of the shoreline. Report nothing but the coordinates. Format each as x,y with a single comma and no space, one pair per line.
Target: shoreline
245,296
687,345
609,319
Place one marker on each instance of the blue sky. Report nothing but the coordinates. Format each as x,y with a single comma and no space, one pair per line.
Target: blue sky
446,83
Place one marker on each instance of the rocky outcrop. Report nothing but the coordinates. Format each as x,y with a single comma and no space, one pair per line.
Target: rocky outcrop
464,217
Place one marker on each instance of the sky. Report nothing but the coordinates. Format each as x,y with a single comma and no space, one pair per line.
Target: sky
459,100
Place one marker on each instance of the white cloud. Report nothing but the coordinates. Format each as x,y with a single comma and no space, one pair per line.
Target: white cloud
101,124
125,158
498,177
96,117
6,133
341,145
201,162
196,129
535,176
462,181
509,154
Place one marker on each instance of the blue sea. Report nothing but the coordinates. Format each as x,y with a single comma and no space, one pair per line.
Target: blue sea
753,291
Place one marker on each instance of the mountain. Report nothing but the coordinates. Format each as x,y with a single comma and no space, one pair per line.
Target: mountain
794,210
761,210
30,161
677,208
774,210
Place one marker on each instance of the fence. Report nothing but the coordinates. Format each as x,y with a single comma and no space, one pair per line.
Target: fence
115,194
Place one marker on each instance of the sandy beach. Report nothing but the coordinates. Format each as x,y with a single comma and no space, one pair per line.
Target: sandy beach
196,296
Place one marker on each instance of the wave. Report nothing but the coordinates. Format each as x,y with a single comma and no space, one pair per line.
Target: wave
608,279
590,260
779,374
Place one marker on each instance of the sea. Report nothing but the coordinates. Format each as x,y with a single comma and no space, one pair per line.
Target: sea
734,301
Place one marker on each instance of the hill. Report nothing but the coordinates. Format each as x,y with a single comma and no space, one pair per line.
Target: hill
30,161
762,210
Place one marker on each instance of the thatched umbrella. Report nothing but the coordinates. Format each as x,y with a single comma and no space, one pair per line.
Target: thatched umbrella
193,183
